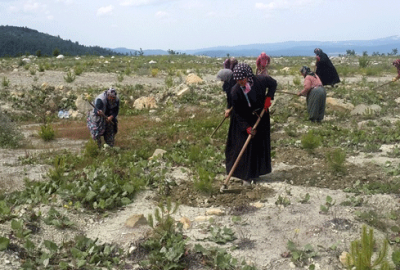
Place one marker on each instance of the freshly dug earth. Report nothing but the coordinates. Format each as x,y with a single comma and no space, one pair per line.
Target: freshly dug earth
264,217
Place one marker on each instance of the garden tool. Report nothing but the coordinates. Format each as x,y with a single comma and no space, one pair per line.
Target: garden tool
382,85
284,92
224,187
220,124
111,122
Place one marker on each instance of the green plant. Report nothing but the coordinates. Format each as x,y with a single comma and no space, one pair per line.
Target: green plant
91,149
221,235
285,201
310,141
306,198
56,219
10,134
5,82
47,132
328,204
363,62
154,72
70,77
78,70
166,246
396,258
204,181
120,77
362,251
300,256
296,81
336,159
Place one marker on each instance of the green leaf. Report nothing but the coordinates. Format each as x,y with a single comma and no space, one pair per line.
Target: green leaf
125,201
90,196
4,242
51,246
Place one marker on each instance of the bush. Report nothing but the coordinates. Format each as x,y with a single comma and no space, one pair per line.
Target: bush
363,62
5,82
47,132
310,141
336,159
10,136
91,149
70,77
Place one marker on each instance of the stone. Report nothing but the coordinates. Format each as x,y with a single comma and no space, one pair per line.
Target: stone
145,103
193,79
158,153
215,212
186,222
136,221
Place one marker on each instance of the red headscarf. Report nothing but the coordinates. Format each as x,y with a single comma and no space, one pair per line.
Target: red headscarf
263,60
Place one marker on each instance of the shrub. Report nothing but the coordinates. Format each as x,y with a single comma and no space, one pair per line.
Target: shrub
154,72
5,82
70,77
47,132
362,251
91,149
363,62
336,159
310,141
10,136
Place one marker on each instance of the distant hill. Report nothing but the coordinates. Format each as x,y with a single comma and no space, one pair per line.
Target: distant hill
16,41
293,48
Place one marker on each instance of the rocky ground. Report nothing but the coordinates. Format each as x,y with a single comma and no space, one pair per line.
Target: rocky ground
266,223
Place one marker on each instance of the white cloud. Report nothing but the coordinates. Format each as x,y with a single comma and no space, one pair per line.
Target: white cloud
105,10
50,17
31,6
67,2
162,14
136,3
286,4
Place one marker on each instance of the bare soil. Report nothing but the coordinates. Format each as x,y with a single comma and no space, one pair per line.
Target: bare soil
266,225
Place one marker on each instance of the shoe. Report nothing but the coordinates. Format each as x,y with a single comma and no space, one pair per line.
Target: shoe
246,183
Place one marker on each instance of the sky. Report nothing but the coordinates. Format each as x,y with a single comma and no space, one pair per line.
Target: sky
197,24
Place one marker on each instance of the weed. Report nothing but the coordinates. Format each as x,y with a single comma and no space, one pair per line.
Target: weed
300,256
58,220
70,77
204,181
10,135
362,251
336,159
285,201
221,235
120,77
5,82
310,141
91,149
328,204
306,199
154,72
47,132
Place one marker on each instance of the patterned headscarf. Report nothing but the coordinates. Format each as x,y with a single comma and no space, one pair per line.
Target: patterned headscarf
262,60
224,74
317,51
242,71
111,93
396,63
307,71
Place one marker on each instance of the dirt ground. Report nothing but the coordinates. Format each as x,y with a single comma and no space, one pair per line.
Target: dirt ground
265,226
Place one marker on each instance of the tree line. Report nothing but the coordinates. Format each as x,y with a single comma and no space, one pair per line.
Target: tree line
17,41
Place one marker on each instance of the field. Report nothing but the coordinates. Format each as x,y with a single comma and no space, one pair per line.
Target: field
66,205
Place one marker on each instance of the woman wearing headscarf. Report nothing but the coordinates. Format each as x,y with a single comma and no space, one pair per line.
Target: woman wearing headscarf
315,94
396,63
226,75
230,63
102,120
262,64
249,98
325,69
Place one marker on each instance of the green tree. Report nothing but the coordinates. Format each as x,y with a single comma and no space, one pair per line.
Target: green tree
38,53
56,52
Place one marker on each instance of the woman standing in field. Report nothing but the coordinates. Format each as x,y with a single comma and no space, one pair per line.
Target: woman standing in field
325,70
249,98
262,63
315,94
